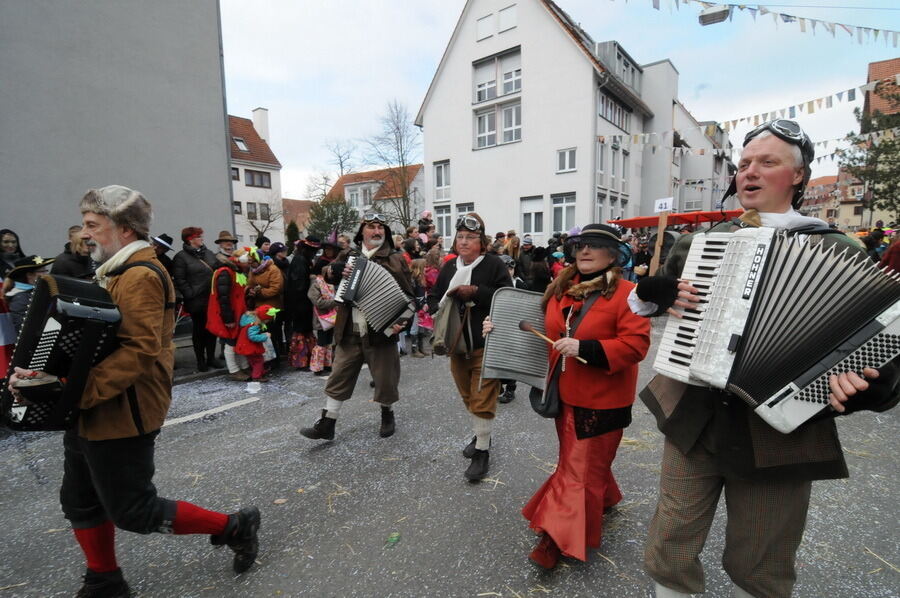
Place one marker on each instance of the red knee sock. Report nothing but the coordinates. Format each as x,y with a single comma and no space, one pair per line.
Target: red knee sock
191,519
99,546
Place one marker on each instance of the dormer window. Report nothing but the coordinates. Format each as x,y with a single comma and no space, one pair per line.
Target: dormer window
241,144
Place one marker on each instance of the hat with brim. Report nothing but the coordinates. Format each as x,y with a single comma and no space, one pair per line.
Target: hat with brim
312,241
601,235
225,237
28,264
165,241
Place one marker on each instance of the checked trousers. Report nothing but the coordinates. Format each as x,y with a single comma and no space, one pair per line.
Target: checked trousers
765,525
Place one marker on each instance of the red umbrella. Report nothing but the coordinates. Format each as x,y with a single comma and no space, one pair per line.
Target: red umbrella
679,218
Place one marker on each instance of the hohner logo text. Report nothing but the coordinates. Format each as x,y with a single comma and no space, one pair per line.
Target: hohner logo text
754,271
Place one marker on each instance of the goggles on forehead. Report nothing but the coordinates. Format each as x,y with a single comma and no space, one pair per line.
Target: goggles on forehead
469,223
788,131
374,217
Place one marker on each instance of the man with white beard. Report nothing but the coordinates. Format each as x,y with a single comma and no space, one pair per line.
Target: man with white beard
356,342
109,457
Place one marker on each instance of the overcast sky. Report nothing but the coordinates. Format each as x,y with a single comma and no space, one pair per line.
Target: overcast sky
326,70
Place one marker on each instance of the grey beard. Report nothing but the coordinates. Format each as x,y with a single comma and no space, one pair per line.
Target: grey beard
99,255
372,244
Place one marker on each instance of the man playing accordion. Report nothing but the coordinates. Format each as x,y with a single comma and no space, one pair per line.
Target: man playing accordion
714,441
109,457
356,342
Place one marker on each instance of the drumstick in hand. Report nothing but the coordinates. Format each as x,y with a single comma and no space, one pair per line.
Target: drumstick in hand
527,326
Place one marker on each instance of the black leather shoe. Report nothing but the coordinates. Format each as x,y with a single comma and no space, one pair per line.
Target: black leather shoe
323,429
469,451
388,425
104,585
507,396
478,468
241,536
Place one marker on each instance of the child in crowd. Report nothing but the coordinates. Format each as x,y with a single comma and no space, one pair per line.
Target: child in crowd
252,338
424,321
321,293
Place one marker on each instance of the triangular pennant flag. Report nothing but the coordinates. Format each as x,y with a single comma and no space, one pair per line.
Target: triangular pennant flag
763,10
734,122
870,86
810,107
851,95
875,33
848,29
828,101
752,12
813,23
819,102
781,112
656,4
829,26
788,18
775,19
840,95
859,35
802,25
756,121
792,111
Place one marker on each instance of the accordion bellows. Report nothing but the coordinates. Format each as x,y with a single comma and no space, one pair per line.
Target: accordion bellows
376,293
70,326
779,314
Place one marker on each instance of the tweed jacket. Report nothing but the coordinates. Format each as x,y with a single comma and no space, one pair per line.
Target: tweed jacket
128,393
745,446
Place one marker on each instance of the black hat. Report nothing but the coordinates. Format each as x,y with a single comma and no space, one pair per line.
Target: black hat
28,264
260,240
163,240
276,248
600,235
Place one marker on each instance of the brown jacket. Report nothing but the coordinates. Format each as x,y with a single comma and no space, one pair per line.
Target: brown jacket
271,283
128,393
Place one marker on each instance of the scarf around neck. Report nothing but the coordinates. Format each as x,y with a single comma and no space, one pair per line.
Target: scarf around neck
118,259
462,276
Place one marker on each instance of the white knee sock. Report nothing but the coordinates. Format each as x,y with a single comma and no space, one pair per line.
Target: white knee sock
482,432
230,361
386,407
332,407
664,592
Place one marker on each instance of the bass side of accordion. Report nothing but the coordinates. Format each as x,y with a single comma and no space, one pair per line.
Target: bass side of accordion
778,315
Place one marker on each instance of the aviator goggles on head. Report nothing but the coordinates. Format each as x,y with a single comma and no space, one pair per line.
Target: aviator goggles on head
469,223
788,131
374,217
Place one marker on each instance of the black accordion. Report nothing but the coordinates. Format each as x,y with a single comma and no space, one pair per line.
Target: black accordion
70,326
778,315
375,292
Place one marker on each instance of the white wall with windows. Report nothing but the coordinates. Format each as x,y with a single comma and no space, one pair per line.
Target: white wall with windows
256,190
530,111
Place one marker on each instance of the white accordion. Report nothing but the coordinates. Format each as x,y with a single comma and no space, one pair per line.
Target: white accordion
376,293
778,315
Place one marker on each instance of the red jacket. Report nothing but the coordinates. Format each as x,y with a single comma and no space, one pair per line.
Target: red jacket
625,338
214,321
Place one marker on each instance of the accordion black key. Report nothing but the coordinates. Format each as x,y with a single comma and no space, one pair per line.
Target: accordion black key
70,326
779,314
375,292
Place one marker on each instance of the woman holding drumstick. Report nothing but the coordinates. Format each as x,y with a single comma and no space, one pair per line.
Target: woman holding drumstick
596,396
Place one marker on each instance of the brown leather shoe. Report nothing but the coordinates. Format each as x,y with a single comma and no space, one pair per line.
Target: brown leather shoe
546,553
240,376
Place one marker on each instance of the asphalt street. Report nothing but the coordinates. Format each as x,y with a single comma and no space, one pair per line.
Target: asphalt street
366,516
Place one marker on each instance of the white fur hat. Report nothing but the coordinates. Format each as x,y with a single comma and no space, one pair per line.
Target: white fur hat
125,207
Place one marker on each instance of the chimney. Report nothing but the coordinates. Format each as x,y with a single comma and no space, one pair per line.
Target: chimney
261,122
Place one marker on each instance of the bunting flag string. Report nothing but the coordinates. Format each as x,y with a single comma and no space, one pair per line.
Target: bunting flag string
806,107
862,34
645,140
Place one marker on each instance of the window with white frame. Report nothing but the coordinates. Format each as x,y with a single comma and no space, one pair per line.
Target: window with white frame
442,180
484,27
505,67
601,164
512,123
532,209
600,207
625,173
353,198
442,221
565,160
237,207
613,159
506,18
366,196
241,144
251,210
563,212
486,128
613,111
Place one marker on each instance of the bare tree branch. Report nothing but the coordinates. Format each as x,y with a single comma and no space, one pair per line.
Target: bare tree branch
342,156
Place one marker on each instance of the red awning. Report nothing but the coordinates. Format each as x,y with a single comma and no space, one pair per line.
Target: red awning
679,218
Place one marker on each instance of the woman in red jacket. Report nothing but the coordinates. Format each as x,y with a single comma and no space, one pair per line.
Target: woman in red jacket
595,397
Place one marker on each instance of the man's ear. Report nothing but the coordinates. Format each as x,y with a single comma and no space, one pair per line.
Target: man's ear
798,176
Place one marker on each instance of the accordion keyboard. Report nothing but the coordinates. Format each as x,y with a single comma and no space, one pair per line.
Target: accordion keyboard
679,340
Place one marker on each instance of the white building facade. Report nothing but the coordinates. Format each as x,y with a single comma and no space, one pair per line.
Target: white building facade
526,122
255,180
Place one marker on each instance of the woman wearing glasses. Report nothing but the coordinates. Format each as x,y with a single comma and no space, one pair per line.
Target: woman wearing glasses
586,308
469,281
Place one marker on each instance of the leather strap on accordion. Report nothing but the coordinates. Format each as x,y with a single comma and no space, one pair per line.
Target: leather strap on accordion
510,353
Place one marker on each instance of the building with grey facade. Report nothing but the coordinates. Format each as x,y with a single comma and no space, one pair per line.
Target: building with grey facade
97,92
